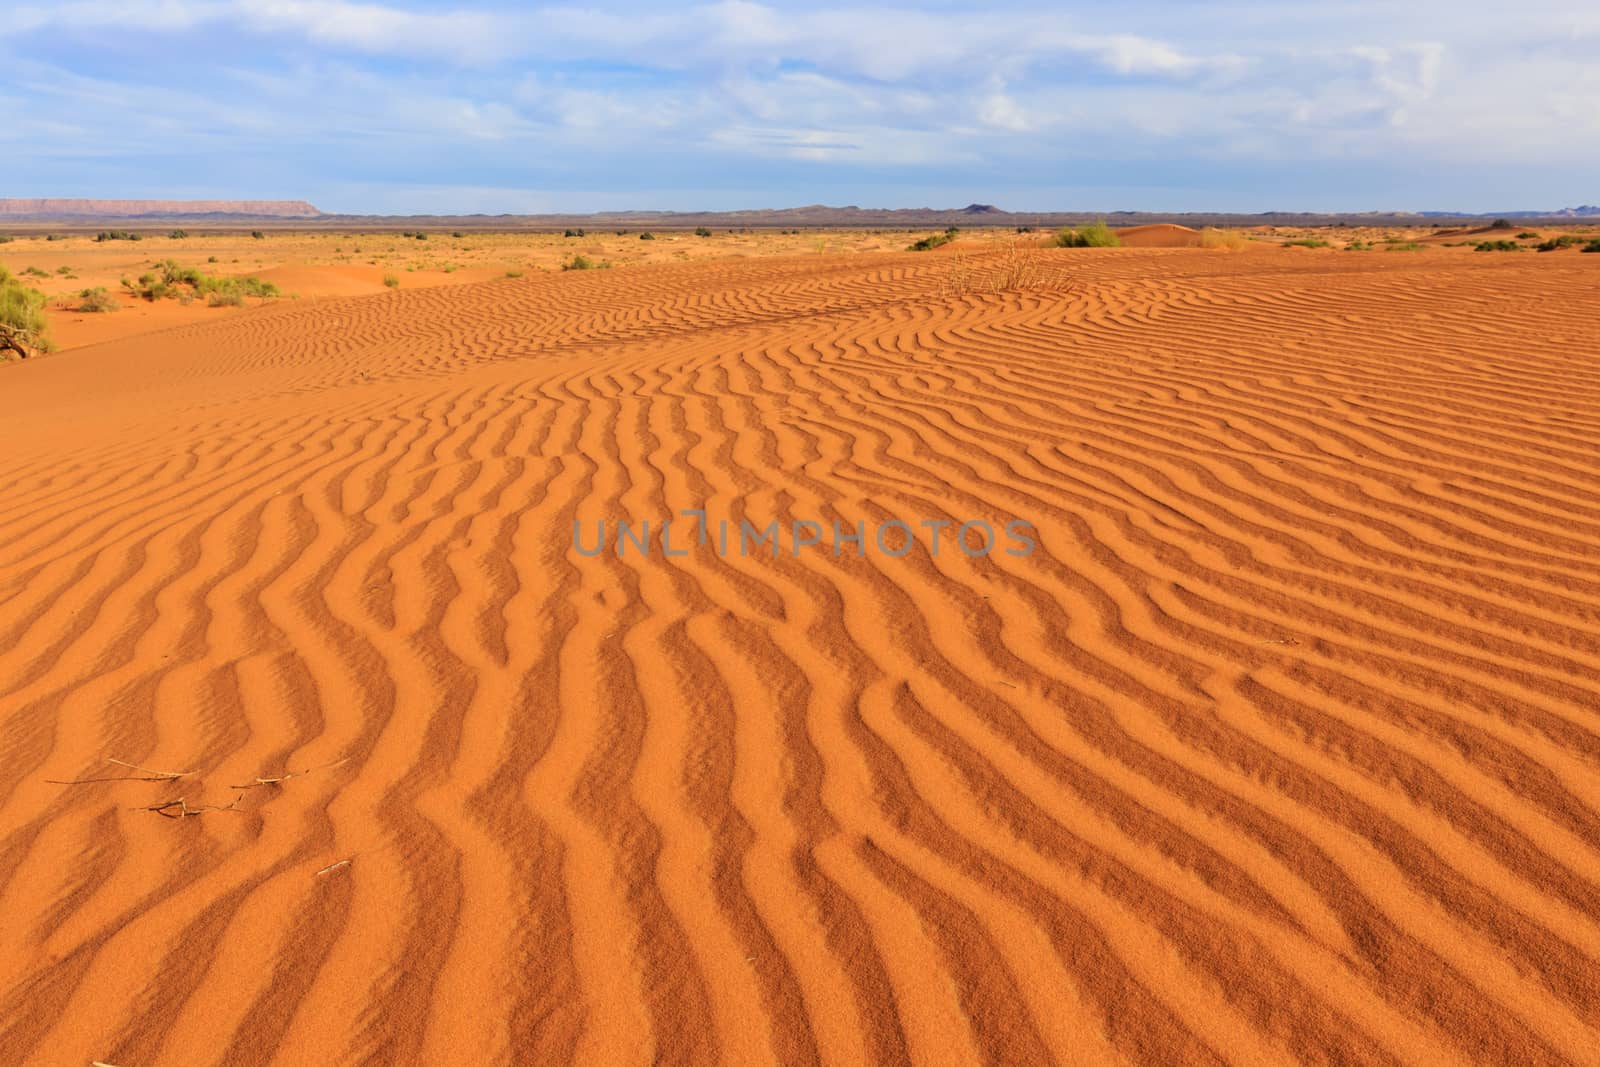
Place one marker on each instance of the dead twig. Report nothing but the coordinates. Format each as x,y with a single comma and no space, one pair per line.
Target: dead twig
332,867
180,809
280,779
145,775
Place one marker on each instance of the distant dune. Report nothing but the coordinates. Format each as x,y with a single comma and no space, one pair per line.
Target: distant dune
56,207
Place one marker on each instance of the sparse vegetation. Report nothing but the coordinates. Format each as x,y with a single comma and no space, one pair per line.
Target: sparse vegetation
1228,240
573,233
257,234
1566,240
178,235
391,281
96,299
1307,242
22,323
927,244
1592,246
1098,235
35,272
116,235
1498,246
583,262
701,231
647,236
187,283
1527,235
1403,246
1501,224
513,274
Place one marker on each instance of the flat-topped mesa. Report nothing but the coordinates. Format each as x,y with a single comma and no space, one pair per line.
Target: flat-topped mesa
59,207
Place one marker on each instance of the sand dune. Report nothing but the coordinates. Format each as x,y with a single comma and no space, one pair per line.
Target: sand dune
1281,745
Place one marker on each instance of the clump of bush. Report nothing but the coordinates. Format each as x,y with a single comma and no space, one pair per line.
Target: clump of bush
1097,236
96,299
927,244
1024,229
422,237
647,236
1229,240
178,235
1566,240
583,262
573,233
1500,224
391,281
35,272
257,234
1498,246
1527,235
187,283
117,235
1306,242
513,274
701,231
1592,246
22,323
6,238
1403,246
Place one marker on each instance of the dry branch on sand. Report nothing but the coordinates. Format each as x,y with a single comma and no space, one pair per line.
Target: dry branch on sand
180,808
280,779
145,775
332,867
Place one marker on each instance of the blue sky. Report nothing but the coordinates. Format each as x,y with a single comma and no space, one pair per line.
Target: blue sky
399,106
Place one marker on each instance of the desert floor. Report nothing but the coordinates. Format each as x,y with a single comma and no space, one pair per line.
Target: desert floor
1281,745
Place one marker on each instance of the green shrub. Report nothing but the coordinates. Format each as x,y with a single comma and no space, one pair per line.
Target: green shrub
422,237
178,235
35,272
457,233
1500,224
573,233
701,231
1403,246
513,274
1592,246
647,236
22,324
257,234
582,262
929,243
64,270
187,283
116,235
223,300
1527,235
1566,240
1498,246
6,238
1024,229
1097,236
96,300
391,281
1306,242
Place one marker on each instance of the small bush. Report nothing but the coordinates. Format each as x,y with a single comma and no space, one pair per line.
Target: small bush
513,274
225,300
64,270
1228,240
116,235
1024,229
22,322
1592,246
1306,242
422,237
929,243
35,272
701,231
178,235
647,236
52,237
391,281
257,234
582,262
1403,246
1498,246
573,233
457,234
1527,235
1566,240
97,300
1097,236
1500,224
6,238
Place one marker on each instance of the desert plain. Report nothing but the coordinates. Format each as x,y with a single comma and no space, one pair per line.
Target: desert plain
324,739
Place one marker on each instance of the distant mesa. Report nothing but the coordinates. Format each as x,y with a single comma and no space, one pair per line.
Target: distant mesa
980,209
63,208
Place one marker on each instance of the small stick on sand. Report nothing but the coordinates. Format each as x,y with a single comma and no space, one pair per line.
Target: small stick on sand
292,774
184,810
332,867
148,775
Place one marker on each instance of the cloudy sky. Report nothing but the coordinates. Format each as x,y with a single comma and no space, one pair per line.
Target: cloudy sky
401,106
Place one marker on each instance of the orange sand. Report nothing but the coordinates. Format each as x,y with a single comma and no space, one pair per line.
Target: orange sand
1281,746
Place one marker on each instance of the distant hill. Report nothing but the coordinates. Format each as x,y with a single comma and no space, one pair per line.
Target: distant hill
46,208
